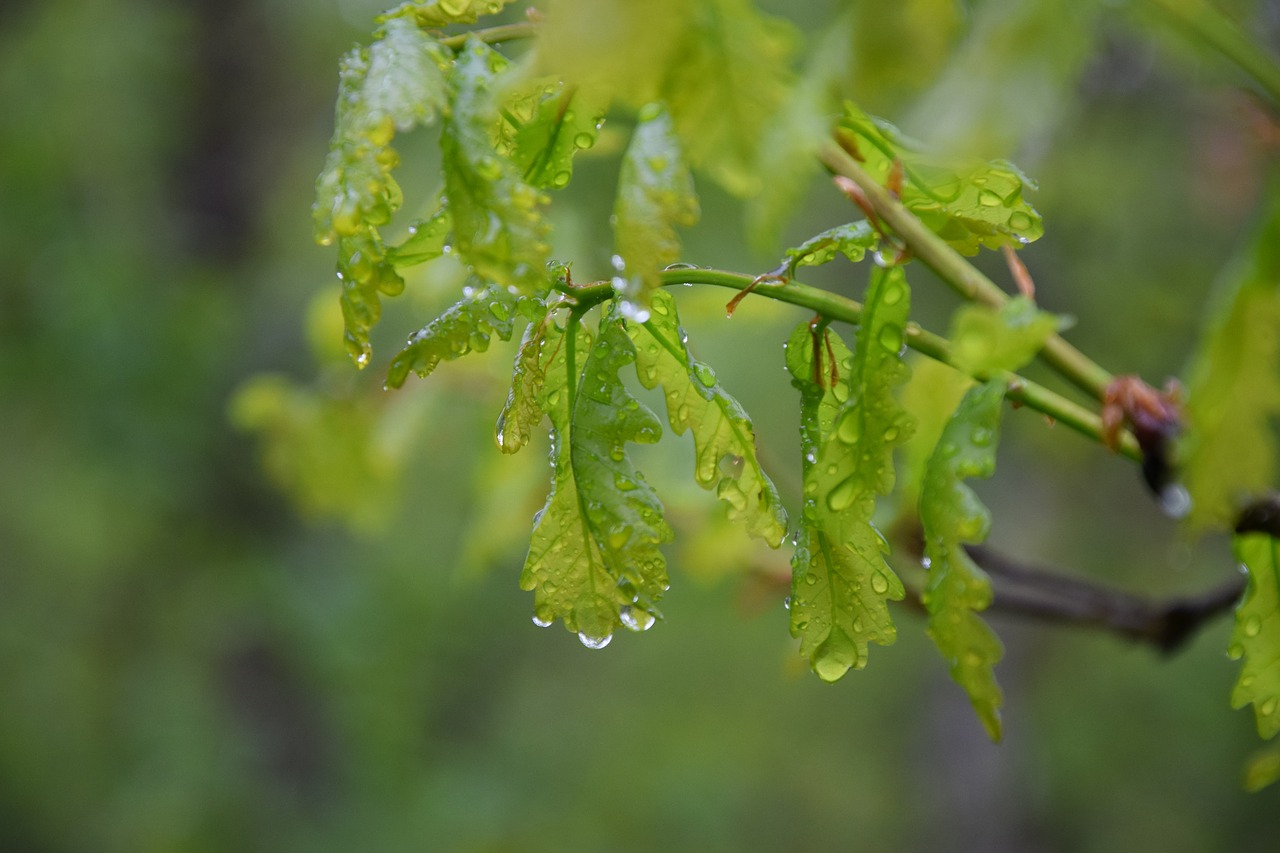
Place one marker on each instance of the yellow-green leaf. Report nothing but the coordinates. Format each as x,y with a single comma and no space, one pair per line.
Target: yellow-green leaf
1256,637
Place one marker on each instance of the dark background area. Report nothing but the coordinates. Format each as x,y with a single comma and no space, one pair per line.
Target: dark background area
330,652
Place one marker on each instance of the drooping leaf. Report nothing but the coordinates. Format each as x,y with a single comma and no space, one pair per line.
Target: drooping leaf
548,122
986,340
723,437
1234,390
594,561
522,411
852,240
441,13
393,85
970,205
930,398
655,194
498,226
724,83
1256,637
841,582
953,516
466,326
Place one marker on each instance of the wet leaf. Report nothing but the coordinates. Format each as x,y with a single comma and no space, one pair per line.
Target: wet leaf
522,411
655,194
465,327
497,217
1234,390
968,204
393,85
1256,637
953,516
548,123
852,240
426,241
441,13
986,340
594,561
723,437
841,583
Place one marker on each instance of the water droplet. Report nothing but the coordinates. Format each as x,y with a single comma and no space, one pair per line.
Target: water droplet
1235,651
891,434
786,603
1175,501
892,294
541,622
810,579
891,338
618,263
1020,221
842,496
981,436
704,374
561,179
594,642
636,620
879,583
1268,707
623,483
850,428
987,198
584,140
1252,626
632,311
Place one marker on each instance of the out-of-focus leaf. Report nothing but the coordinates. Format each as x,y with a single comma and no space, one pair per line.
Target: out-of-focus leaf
655,194
393,85
522,410
898,47
1262,769
724,84
968,204
852,240
952,516
497,218
335,457
985,340
441,13
1256,637
841,582
723,438
930,397
594,561
465,327
549,122
1234,390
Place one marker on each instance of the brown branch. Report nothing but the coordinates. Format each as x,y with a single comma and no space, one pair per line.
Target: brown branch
1050,596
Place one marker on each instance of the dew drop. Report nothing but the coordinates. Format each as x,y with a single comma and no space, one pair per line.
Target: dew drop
561,179
1175,501
594,642
850,428
982,437
704,374
987,198
842,496
641,620
879,583
584,140
540,622
1252,626
891,338
1268,707
1019,221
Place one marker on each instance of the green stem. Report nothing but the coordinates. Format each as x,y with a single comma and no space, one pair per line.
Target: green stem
1211,27
1018,389
963,277
493,35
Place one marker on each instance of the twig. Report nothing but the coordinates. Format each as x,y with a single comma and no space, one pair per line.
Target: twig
1048,595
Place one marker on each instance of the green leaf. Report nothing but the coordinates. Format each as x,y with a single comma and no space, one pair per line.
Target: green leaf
727,78
1234,390
466,326
426,240
723,438
497,217
841,583
655,194
1256,637
522,411
441,13
952,516
594,561
968,204
549,122
853,241
986,340
393,85
1262,769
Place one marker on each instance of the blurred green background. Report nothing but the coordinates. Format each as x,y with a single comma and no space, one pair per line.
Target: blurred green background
190,659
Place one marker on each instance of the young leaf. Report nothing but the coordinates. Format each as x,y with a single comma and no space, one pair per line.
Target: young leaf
726,79
721,430
970,205
655,194
952,516
547,125
1234,390
853,241
522,410
441,13
497,218
986,340
426,240
841,582
465,326
1257,633
393,85
594,561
